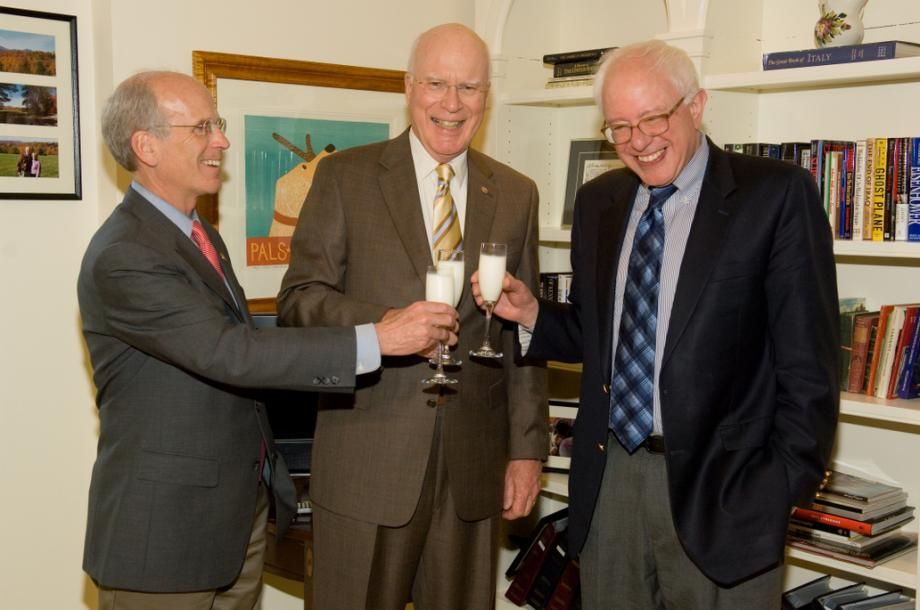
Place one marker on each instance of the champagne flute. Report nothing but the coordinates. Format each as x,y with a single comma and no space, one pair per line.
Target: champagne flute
439,287
491,275
451,260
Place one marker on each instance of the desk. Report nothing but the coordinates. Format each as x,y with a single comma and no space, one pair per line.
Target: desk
292,557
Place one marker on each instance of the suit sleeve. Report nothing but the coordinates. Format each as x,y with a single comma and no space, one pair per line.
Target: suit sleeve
313,290
803,318
153,304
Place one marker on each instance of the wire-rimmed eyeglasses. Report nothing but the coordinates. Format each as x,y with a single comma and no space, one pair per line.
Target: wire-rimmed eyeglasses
206,127
439,88
655,125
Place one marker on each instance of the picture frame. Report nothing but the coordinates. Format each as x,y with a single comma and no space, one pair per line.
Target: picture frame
588,158
259,95
561,421
39,106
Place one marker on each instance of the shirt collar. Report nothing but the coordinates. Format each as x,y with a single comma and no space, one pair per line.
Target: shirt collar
425,164
171,212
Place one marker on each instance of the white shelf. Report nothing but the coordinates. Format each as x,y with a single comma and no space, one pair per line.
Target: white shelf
556,97
879,249
555,483
868,72
900,571
877,409
561,235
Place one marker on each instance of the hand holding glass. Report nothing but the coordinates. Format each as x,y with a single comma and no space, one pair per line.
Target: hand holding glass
439,288
491,275
452,261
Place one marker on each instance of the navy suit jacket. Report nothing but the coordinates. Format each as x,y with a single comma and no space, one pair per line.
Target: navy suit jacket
748,383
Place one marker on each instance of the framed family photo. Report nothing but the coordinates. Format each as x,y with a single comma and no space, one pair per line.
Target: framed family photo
284,116
39,106
561,424
588,158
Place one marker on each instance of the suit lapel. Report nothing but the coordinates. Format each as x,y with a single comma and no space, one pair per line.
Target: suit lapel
173,238
481,201
610,227
714,213
400,193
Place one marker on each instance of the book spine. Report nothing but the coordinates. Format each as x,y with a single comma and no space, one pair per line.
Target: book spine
891,188
862,327
867,203
900,224
859,189
886,356
913,202
571,56
850,524
904,337
829,55
909,386
575,68
879,173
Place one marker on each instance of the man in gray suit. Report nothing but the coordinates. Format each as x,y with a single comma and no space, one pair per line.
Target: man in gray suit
178,502
408,482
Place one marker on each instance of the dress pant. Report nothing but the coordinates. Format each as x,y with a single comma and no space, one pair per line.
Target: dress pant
436,560
245,593
633,559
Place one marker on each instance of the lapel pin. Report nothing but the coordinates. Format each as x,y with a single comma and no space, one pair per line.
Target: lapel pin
484,189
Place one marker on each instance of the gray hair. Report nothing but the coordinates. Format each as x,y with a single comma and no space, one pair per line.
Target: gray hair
670,61
133,107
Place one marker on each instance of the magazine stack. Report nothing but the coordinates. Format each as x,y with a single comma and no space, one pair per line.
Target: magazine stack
854,519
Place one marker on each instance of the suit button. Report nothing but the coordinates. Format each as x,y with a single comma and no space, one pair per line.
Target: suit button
317,381
606,388
601,447
335,380
432,402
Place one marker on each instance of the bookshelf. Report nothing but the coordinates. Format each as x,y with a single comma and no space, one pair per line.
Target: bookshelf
530,128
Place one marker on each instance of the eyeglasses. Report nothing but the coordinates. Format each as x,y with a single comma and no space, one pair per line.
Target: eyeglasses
655,125
206,127
438,88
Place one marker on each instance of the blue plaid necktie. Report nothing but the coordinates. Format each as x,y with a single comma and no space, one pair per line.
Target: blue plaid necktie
632,390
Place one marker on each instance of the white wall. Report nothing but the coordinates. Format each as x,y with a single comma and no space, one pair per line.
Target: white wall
48,422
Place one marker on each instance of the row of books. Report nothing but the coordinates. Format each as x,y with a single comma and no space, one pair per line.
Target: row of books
880,350
542,574
854,53
854,519
574,68
826,593
555,286
870,188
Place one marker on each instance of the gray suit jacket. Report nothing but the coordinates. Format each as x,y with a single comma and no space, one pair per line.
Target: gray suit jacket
361,248
175,362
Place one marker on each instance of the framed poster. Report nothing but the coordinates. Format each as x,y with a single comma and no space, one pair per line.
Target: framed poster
283,116
39,106
561,424
588,158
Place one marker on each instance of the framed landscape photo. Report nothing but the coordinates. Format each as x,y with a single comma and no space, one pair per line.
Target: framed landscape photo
39,106
588,158
285,116
561,423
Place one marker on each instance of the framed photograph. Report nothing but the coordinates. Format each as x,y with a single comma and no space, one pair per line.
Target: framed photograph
588,159
561,423
39,106
283,116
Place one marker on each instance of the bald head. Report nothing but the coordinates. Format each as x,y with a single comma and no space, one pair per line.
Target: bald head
454,36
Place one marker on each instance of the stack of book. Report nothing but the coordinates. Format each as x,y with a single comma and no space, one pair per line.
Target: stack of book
574,68
880,351
870,188
854,519
825,593
543,576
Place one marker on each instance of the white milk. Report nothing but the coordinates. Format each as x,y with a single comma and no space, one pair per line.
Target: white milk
491,274
456,269
439,287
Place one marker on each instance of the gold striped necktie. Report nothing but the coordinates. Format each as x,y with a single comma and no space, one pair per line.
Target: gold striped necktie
446,233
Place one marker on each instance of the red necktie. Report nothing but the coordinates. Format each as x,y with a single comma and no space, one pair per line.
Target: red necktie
206,247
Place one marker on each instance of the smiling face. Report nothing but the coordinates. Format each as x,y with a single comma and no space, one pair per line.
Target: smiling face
634,91
446,122
182,165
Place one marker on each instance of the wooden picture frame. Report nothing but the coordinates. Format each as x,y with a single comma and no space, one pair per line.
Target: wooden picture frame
588,158
225,69
39,106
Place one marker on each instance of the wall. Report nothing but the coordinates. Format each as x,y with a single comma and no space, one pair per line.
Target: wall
48,422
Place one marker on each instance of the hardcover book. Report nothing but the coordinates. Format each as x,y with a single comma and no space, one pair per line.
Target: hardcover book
852,487
859,351
850,593
891,548
890,600
867,527
872,51
909,382
913,199
570,56
800,597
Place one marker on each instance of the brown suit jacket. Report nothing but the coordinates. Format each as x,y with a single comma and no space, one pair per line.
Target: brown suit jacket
361,248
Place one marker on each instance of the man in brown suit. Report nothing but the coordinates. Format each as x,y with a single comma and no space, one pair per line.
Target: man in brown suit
408,481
